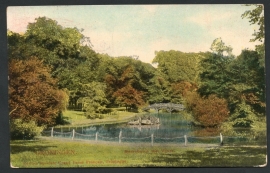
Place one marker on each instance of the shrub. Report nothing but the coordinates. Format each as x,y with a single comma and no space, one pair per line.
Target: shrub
243,116
60,118
210,111
24,130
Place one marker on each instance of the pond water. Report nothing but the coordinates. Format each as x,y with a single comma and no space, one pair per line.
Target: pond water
172,129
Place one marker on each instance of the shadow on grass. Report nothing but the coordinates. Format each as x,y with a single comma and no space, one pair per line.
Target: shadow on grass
218,157
33,146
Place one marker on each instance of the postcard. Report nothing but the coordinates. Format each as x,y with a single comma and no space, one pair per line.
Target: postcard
137,86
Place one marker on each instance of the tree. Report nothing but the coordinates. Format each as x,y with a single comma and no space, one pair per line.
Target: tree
129,97
93,97
33,93
215,78
256,16
219,47
159,89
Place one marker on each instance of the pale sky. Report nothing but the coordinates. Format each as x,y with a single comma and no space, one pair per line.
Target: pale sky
127,30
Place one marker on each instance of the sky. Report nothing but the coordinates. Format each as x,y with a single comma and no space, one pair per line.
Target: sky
140,30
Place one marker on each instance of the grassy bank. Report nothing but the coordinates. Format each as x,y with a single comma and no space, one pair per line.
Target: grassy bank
47,152
77,118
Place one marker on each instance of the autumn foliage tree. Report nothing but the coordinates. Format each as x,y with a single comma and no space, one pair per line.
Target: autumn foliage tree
33,93
209,111
180,90
129,97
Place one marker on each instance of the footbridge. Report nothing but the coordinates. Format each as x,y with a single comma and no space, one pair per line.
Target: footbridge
166,106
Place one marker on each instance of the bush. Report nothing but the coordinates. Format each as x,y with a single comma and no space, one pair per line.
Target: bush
60,118
24,130
244,116
209,111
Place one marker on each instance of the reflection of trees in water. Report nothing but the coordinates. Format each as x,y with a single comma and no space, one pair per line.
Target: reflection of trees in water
248,135
206,132
109,130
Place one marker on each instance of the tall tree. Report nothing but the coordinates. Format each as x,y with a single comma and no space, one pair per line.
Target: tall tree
159,89
215,78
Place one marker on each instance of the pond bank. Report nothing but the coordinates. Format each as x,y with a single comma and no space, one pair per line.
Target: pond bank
120,118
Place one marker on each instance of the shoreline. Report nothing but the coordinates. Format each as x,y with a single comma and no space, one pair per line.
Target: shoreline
96,121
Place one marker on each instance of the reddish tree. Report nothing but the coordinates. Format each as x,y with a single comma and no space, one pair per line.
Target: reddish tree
129,97
33,93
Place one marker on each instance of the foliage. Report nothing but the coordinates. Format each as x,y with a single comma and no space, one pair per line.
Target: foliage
248,83
159,89
179,66
93,99
209,111
176,72
214,76
256,16
60,119
218,47
24,130
124,75
33,94
243,116
180,90
129,97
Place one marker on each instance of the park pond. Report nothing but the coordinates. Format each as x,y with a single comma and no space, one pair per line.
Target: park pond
173,128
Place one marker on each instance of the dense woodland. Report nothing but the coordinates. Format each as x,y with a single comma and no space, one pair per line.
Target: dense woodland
53,68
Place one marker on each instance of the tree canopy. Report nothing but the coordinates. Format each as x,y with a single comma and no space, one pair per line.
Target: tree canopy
33,93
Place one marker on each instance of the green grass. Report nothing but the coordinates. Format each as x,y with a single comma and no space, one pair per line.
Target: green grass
74,115
48,152
77,118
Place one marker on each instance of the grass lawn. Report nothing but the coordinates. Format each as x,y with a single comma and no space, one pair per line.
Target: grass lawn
48,152
77,118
